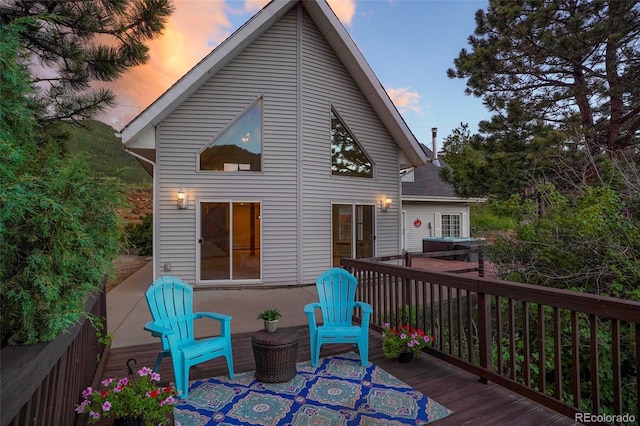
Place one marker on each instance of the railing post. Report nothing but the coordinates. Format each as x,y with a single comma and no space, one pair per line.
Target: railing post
484,332
480,262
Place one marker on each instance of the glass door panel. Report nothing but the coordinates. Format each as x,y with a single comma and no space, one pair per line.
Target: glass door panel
364,232
215,221
342,219
246,241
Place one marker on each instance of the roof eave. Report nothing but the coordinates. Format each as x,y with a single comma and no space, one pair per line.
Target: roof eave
442,199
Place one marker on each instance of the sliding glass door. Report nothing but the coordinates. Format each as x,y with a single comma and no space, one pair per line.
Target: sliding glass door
229,241
353,233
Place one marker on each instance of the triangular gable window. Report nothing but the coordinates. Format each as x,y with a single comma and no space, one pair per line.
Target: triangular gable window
239,146
347,157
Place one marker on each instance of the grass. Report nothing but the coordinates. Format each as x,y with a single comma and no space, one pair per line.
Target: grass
485,221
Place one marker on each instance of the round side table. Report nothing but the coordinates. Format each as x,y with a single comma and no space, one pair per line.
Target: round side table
275,354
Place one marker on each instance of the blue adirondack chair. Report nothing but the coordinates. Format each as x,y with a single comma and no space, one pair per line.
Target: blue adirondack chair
336,294
170,301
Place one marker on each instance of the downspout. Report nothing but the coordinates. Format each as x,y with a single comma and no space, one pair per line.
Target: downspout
155,198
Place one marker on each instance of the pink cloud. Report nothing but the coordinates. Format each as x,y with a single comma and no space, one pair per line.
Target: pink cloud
255,5
405,100
344,10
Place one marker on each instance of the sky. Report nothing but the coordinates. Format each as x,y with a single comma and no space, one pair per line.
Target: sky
409,44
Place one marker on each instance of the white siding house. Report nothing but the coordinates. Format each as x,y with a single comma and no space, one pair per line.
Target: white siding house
284,145
430,207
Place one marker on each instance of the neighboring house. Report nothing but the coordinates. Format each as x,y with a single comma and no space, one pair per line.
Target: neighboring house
282,147
430,208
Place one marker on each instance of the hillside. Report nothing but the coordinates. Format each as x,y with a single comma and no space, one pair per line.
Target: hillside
97,144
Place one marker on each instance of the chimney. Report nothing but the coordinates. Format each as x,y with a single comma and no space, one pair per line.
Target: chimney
434,149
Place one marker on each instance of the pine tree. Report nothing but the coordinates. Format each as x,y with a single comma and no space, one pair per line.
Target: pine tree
573,64
74,43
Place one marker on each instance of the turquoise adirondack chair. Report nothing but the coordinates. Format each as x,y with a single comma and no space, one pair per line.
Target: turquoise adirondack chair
170,301
336,294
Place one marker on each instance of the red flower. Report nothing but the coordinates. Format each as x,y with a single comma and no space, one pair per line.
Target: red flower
104,394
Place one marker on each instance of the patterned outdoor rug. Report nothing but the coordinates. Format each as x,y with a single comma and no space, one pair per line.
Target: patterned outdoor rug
338,392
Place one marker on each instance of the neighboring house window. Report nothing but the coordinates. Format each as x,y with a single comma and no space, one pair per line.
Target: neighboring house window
451,225
347,157
239,146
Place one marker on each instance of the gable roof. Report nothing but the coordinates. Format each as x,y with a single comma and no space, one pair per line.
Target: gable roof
139,135
427,184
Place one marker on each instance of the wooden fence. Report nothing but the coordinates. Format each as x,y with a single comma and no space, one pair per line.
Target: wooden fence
41,384
570,351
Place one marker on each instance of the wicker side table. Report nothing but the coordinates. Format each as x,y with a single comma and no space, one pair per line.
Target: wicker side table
275,354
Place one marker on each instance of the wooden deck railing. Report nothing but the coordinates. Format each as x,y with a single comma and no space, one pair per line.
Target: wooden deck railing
570,351
41,384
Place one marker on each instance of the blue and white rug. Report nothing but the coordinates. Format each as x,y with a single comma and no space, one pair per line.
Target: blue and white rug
338,392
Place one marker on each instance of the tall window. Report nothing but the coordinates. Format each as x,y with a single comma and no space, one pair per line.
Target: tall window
239,146
451,225
347,157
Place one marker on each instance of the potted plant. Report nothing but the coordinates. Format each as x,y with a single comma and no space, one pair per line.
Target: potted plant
129,401
270,317
403,343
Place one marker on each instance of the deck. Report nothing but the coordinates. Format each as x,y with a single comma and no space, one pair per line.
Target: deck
472,402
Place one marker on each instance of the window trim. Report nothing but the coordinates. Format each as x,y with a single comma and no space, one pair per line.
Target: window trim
224,130
355,140
442,226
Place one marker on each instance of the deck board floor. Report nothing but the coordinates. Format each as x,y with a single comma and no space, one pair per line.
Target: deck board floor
473,402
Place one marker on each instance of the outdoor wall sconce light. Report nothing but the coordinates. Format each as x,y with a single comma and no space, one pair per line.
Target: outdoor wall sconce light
385,203
183,199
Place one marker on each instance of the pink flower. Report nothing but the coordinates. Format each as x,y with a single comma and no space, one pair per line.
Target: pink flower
106,406
144,371
386,325
80,408
155,377
107,382
122,383
411,343
87,392
170,400
427,339
94,415
403,336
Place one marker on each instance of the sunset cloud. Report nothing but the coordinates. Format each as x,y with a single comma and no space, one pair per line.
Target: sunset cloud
344,10
193,31
405,100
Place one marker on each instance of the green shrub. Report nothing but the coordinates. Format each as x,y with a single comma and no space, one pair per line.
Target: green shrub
59,230
140,236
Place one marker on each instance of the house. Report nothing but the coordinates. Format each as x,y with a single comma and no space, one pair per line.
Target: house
430,207
275,156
